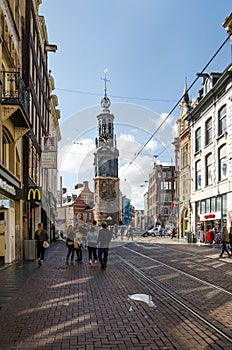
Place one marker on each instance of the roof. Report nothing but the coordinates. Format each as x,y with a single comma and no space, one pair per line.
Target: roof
70,197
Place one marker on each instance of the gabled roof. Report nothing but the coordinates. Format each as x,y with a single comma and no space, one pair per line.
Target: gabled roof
71,196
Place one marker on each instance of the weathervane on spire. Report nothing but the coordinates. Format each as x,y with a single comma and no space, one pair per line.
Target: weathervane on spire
105,102
105,79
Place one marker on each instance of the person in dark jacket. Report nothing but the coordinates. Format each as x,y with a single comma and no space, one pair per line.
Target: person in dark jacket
70,243
41,236
230,240
225,241
103,242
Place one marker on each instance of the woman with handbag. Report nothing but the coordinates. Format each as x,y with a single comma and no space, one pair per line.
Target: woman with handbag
225,241
41,236
70,243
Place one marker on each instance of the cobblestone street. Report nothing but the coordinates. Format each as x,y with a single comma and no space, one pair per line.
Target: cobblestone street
85,307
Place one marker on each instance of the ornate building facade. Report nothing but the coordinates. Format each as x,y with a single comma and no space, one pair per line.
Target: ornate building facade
44,122
183,167
28,113
14,123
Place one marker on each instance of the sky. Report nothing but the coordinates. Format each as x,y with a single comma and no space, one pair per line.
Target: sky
150,49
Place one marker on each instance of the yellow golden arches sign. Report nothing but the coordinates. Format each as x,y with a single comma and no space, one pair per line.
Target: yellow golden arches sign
34,194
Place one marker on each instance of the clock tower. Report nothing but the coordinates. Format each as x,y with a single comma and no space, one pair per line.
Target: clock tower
106,181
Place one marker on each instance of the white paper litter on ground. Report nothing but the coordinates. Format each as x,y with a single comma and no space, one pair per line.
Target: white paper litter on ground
142,297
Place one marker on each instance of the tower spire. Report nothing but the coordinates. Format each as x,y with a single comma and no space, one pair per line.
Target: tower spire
105,102
105,80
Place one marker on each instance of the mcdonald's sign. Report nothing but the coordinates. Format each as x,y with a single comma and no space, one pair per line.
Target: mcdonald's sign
34,194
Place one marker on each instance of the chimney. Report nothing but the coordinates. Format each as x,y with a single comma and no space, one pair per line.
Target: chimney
78,186
86,184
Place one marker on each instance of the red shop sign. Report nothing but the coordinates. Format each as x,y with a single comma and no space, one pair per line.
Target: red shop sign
209,216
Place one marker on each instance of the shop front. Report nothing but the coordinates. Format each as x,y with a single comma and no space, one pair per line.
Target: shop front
209,224
9,226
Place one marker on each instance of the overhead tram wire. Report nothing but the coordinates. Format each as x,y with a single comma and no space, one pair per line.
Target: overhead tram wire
116,96
177,103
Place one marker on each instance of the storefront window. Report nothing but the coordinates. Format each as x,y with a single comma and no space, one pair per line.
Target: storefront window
213,204
218,204
198,208
6,203
207,205
203,207
224,208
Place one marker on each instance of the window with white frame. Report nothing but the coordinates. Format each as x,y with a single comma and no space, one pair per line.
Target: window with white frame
198,179
185,185
184,155
208,131
222,121
166,185
85,198
222,165
208,169
198,140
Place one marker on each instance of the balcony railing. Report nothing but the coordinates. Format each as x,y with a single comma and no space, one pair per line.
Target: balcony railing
14,90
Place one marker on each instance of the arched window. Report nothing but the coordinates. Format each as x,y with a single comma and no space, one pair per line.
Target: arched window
208,169
198,179
222,121
198,140
222,163
208,131
7,157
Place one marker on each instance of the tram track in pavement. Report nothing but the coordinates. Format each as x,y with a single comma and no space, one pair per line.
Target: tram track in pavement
184,273
206,302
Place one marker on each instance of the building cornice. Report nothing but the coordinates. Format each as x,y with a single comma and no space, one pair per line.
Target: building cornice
226,76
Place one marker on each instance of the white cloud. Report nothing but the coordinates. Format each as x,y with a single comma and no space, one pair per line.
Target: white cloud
78,156
134,125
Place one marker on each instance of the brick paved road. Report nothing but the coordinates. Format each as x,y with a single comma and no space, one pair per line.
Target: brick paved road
83,307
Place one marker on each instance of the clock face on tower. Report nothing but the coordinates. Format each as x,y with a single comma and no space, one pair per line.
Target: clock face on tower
104,138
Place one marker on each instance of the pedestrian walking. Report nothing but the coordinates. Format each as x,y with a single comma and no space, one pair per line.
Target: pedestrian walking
130,233
115,231
122,230
160,232
230,239
103,241
78,246
173,232
225,241
70,243
41,236
92,237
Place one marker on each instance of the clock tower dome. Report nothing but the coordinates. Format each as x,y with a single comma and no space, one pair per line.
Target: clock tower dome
106,181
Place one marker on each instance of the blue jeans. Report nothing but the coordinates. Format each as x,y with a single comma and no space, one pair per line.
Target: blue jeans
40,250
70,252
103,256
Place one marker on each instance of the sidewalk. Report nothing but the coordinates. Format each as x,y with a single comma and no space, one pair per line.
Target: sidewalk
14,275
